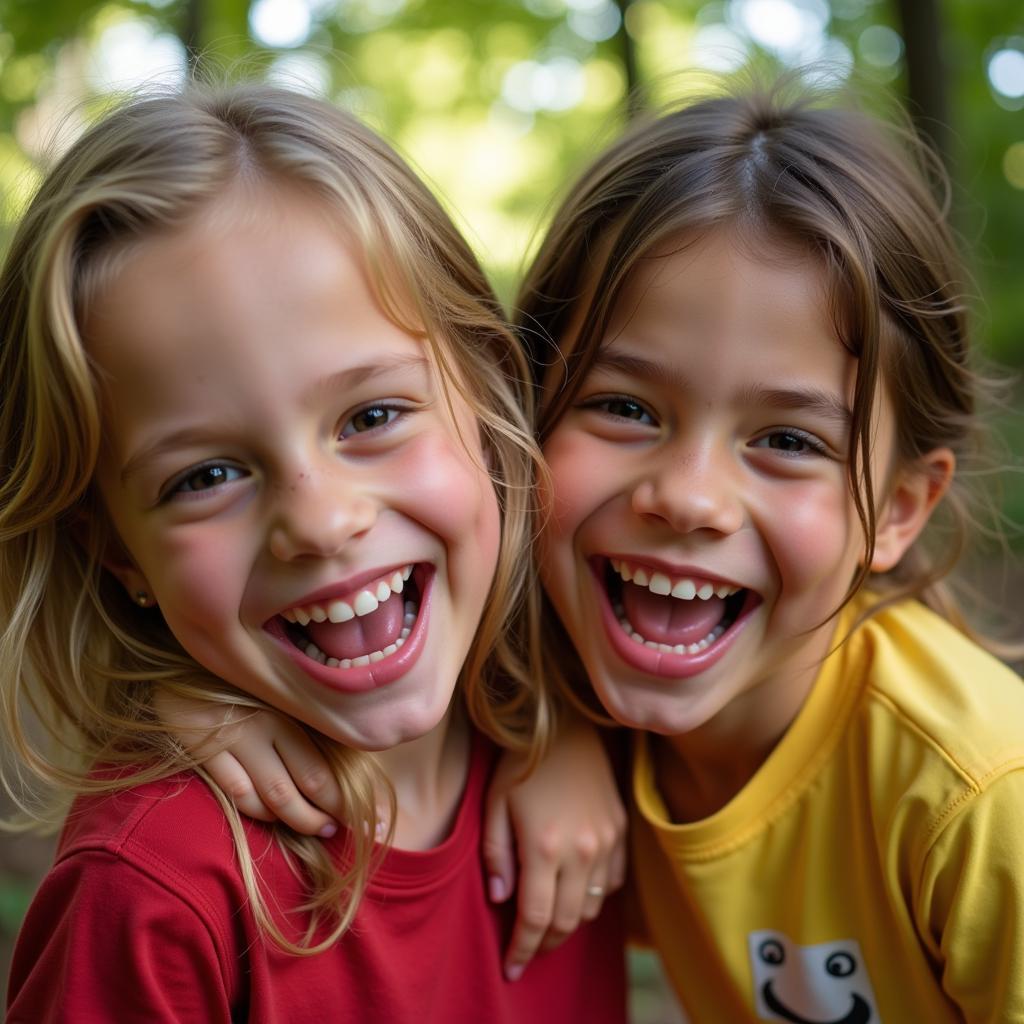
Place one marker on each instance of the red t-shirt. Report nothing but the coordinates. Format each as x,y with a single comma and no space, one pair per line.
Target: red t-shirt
143,919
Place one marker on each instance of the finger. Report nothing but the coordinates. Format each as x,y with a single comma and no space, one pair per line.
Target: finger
234,780
578,897
537,886
594,896
282,798
310,770
498,850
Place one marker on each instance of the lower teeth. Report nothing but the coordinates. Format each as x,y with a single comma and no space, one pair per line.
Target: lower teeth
312,651
696,648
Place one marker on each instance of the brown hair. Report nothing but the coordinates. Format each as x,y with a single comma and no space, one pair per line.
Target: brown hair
76,655
784,163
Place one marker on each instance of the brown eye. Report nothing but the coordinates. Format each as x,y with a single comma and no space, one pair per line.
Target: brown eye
626,408
207,477
791,442
372,417
787,442
621,407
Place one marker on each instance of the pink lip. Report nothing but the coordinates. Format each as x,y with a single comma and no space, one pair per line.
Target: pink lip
376,674
657,663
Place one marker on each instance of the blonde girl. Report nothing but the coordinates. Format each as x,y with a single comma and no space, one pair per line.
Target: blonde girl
264,443
759,407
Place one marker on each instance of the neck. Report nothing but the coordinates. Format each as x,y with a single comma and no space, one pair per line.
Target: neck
699,772
428,776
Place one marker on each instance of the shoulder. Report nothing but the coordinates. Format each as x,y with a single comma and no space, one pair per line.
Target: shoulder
141,904
174,820
925,676
169,836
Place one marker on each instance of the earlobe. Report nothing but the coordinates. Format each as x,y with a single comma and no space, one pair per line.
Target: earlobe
911,501
115,559
129,575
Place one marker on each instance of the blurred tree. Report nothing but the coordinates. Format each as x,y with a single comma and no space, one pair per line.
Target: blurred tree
499,102
922,28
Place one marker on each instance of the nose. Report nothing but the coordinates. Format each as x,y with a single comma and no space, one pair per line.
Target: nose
691,490
317,513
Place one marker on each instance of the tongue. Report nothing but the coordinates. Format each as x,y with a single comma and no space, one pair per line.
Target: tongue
668,620
362,635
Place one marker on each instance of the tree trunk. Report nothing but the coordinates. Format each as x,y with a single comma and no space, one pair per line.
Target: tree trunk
627,54
191,31
927,95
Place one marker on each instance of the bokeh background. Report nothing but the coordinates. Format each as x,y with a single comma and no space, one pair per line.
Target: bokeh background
499,102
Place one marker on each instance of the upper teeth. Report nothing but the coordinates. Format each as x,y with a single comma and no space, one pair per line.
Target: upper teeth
682,587
365,601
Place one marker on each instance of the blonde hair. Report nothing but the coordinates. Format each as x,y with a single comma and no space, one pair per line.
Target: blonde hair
786,164
79,662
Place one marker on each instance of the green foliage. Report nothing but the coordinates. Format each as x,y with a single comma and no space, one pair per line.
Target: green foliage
15,895
992,210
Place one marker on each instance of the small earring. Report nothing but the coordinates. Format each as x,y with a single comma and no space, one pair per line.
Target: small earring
142,598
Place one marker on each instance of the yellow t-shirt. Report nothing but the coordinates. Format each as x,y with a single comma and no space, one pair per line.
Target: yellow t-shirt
873,869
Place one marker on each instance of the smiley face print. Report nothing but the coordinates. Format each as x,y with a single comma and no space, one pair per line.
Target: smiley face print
820,984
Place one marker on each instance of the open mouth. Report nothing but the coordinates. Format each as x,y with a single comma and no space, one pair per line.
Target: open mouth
673,615
363,627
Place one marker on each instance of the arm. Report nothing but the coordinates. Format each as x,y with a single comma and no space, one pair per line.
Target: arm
566,826
972,903
264,761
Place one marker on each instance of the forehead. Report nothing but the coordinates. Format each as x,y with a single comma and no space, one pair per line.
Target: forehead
236,308
727,269
722,298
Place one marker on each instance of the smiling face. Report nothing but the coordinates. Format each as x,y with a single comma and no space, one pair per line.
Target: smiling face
703,526
315,523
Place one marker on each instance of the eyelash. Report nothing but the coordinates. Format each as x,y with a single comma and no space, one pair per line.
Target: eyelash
386,407
176,485
816,446
602,404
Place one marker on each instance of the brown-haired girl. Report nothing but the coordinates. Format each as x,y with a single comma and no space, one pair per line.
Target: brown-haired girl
759,392
264,442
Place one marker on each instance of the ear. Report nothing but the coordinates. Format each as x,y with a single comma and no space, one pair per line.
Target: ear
119,563
914,494
90,529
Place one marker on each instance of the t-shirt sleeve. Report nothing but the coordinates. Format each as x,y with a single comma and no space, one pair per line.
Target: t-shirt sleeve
972,903
104,941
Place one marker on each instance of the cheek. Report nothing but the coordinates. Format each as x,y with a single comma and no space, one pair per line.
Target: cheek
447,489
199,574
577,487
816,538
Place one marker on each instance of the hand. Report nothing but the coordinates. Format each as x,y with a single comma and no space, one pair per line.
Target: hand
262,760
569,830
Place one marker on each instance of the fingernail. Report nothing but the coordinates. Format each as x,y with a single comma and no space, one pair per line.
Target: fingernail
513,972
328,830
496,885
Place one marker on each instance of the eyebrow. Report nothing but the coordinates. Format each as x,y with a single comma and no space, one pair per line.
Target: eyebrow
637,366
353,377
356,376
815,400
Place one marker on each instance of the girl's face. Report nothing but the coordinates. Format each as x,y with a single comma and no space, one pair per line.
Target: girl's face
703,526
315,523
